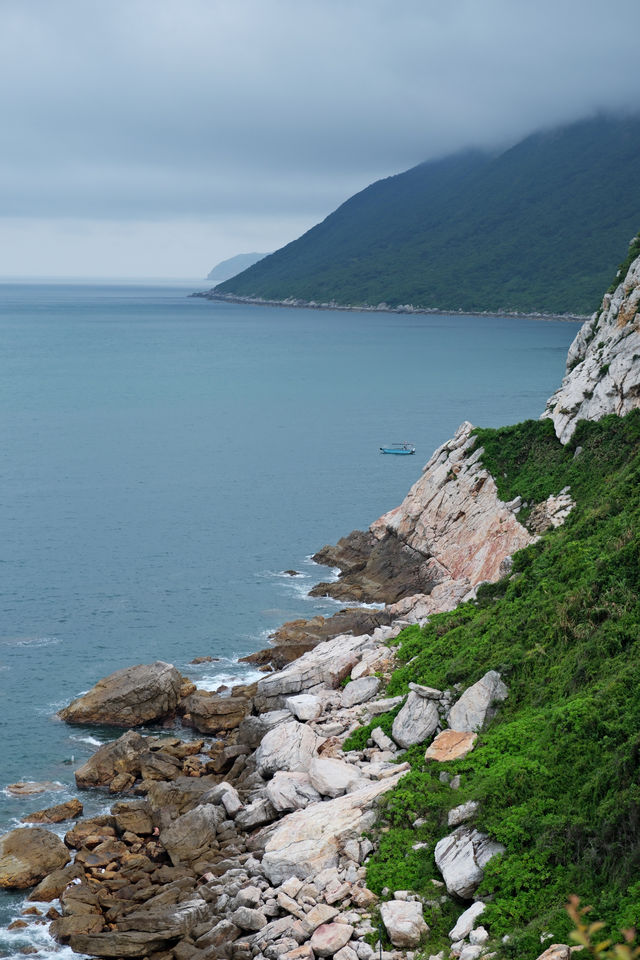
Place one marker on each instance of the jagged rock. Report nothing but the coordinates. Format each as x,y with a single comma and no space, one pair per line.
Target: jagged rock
381,740
64,928
466,921
462,813
248,919
557,951
451,527
227,795
328,938
404,922
416,722
223,932
211,713
450,745
256,814
304,706
291,791
461,858
474,707
470,952
128,697
479,936
359,691
120,756
27,855
347,953
54,883
117,943
332,777
289,746
307,841
253,729
58,814
324,666
603,373
551,513
190,836
133,816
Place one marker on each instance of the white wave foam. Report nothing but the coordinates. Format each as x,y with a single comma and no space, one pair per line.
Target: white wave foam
30,641
92,741
34,936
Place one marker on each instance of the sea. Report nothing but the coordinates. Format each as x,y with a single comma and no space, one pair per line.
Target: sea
165,459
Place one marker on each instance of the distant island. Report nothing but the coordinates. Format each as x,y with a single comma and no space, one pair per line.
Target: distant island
229,268
539,227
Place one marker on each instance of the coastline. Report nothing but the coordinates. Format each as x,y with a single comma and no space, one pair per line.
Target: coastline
292,302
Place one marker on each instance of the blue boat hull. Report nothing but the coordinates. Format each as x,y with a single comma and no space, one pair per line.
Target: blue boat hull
397,453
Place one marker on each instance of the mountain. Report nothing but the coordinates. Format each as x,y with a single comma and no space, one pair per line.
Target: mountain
229,268
539,227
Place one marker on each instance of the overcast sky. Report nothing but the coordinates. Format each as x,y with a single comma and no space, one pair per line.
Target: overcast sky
156,137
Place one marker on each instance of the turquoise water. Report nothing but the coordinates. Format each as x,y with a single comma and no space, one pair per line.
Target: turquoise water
165,459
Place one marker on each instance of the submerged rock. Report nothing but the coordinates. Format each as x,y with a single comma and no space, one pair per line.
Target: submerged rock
70,810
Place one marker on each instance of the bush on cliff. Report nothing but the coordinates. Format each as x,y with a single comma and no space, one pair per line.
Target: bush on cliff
557,773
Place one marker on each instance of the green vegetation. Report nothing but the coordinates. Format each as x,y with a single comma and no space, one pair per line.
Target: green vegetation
557,773
538,227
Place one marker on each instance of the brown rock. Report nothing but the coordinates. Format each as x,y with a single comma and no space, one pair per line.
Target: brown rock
211,713
450,745
557,951
89,833
122,756
133,816
129,697
63,811
63,928
54,883
29,854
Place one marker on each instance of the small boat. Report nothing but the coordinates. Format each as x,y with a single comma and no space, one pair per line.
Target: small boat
400,449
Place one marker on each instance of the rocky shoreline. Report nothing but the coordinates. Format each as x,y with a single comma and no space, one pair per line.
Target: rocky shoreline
383,307
249,842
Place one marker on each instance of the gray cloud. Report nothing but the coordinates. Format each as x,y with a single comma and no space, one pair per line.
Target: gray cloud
183,109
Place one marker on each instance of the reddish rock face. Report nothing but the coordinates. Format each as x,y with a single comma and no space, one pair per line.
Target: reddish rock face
450,745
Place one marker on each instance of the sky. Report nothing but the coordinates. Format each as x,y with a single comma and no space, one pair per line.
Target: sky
154,138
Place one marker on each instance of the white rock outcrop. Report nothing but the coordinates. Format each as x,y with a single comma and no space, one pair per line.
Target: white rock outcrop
473,709
416,722
310,840
603,363
404,922
461,858
289,746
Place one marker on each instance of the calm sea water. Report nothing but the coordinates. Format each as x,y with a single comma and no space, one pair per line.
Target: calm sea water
165,459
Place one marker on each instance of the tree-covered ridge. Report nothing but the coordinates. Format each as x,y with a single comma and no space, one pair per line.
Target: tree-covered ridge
539,227
557,773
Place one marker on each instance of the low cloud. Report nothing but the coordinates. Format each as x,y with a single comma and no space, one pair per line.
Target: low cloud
153,110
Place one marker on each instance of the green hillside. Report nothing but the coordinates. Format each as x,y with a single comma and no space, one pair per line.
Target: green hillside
557,773
538,227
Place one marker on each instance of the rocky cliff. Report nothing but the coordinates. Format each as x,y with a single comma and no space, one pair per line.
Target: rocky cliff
603,364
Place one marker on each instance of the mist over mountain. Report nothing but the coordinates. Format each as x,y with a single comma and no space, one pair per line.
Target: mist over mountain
233,265
539,226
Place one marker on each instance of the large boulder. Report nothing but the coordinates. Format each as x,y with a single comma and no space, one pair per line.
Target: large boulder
416,722
309,840
475,706
288,746
461,858
329,938
291,791
332,777
210,713
404,922
27,855
129,697
120,756
191,836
